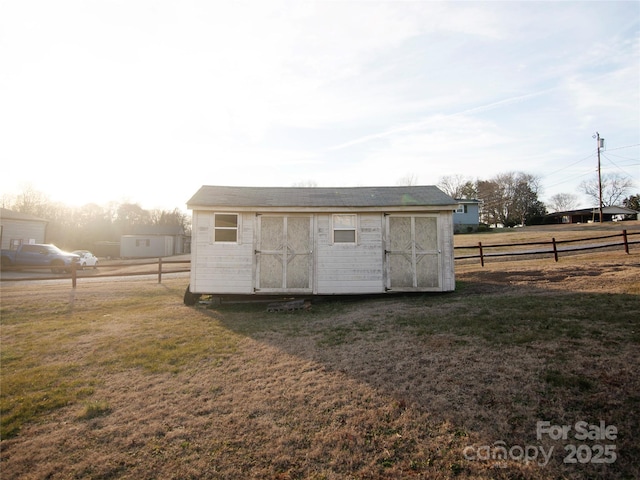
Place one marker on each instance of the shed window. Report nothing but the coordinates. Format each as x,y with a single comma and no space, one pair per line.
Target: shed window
344,229
225,227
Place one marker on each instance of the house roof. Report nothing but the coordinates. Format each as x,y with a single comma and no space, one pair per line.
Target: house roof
302,197
11,215
613,210
157,230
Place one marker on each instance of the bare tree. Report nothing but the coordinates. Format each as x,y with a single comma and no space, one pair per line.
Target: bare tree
306,184
614,188
510,198
410,179
33,202
174,218
561,202
7,200
130,215
458,186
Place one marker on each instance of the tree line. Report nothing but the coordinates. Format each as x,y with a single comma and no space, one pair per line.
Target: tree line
507,199
512,198
83,227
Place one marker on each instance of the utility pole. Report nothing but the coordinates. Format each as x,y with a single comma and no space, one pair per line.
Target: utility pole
600,142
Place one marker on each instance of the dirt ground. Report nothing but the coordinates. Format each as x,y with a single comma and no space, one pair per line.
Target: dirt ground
372,388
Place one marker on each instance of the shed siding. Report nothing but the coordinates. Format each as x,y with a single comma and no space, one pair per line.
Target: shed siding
446,246
222,267
16,232
351,268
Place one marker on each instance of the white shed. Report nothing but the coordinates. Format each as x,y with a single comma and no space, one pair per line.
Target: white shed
21,228
321,241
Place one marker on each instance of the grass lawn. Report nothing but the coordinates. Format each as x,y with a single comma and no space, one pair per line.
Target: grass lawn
118,379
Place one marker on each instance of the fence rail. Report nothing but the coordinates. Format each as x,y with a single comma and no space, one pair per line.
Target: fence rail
512,249
72,274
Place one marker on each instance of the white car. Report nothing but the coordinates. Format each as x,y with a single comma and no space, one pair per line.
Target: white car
87,259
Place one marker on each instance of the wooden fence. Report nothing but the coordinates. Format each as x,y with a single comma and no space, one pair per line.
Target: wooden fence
116,270
552,247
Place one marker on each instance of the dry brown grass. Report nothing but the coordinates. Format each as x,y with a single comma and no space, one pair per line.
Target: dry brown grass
546,232
383,387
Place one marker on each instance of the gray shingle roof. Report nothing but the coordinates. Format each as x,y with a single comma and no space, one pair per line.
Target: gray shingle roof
224,196
11,215
157,230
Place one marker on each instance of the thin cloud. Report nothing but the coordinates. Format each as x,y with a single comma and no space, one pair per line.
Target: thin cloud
413,126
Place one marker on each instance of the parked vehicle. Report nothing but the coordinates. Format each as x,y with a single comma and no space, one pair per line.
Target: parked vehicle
87,259
39,255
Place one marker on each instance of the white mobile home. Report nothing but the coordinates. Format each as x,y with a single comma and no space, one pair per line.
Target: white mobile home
321,241
153,241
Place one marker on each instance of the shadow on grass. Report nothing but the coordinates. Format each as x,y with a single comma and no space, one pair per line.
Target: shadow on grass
490,360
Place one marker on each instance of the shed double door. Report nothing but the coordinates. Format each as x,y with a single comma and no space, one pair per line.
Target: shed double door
284,254
412,254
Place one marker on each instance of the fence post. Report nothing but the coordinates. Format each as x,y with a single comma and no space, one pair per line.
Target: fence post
555,249
626,243
160,270
481,254
74,276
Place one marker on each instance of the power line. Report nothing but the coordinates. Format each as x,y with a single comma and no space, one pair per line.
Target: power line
626,146
572,179
570,165
617,166
619,156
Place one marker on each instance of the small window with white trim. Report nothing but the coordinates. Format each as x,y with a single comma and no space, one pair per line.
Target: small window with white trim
344,228
225,227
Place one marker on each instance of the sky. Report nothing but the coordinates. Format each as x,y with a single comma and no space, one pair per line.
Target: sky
146,101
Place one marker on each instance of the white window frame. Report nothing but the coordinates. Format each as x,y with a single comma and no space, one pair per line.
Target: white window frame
225,228
336,227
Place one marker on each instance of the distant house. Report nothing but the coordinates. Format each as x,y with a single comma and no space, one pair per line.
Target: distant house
466,217
321,241
153,241
587,215
21,228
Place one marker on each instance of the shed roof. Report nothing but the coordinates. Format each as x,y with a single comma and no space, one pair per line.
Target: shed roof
314,197
12,215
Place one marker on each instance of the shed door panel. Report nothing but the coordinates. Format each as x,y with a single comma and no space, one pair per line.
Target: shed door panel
284,253
298,267
400,259
271,249
413,258
426,252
